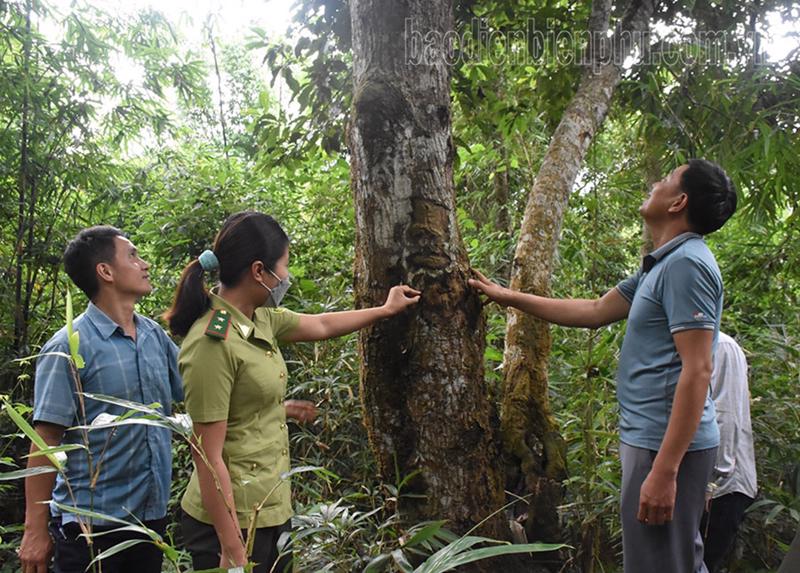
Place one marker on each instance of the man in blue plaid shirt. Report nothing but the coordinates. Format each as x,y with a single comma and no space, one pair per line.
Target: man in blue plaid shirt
127,475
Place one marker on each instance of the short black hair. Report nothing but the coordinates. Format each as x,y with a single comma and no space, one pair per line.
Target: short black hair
83,253
711,195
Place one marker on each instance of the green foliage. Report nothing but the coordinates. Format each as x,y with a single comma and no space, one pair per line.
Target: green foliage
316,67
68,120
31,434
762,292
722,100
148,156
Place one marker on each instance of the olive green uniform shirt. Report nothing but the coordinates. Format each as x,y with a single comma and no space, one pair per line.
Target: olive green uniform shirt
240,376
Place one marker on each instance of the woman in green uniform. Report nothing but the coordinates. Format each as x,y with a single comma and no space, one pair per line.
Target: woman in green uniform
235,382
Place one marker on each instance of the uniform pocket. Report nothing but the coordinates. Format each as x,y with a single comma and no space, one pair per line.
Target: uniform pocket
256,477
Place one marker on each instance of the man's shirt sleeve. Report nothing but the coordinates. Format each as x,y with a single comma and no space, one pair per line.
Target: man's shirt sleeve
627,287
175,379
723,396
690,295
54,387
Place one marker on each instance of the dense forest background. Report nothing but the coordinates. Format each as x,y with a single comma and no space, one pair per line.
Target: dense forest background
163,128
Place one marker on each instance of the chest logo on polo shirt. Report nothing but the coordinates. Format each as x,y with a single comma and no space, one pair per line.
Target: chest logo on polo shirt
219,324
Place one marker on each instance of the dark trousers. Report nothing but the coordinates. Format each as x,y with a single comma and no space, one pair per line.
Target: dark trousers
201,541
719,526
72,553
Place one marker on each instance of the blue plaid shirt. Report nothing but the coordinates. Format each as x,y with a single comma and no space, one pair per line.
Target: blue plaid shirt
135,469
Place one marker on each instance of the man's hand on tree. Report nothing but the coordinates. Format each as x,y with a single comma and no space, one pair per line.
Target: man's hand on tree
494,291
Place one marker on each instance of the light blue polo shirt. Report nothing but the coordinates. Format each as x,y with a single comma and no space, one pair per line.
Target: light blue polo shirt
679,287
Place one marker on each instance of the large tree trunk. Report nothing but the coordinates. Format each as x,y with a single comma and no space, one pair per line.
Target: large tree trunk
422,374
530,436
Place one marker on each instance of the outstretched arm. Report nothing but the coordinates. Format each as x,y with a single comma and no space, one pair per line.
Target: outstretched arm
588,313
332,324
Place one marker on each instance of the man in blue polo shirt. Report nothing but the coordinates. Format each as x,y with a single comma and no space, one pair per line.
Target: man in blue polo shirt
126,356
673,304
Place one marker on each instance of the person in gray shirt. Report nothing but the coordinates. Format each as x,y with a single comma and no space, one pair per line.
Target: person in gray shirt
735,486
673,304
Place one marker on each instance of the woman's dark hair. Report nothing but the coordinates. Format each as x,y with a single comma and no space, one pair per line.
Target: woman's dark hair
245,237
711,195
90,246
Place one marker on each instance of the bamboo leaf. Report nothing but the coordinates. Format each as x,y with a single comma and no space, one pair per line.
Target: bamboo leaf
32,356
402,561
134,528
73,338
57,450
127,404
27,472
142,421
33,436
69,315
773,514
74,345
425,533
118,548
378,564
300,470
460,553
487,552
88,513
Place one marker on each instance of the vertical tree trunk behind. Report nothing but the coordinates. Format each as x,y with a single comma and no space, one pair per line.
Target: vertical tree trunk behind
530,436
502,198
422,375
24,201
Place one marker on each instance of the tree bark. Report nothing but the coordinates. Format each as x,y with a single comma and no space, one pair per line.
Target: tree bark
531,440
422,376
24,202
223,127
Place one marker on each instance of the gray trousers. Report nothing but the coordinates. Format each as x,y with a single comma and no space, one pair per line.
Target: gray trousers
675,547
791,562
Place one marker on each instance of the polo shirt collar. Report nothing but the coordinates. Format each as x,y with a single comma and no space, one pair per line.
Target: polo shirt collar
650,260
106,326
257,329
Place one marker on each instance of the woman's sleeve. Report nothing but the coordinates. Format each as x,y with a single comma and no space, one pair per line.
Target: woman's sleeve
282,321
208,370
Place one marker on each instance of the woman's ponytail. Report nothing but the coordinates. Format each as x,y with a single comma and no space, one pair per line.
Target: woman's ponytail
191,300
245,237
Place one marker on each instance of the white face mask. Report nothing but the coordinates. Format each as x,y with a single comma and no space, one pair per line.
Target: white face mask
277,292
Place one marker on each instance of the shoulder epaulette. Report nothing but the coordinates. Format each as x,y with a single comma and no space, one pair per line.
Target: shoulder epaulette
219,324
